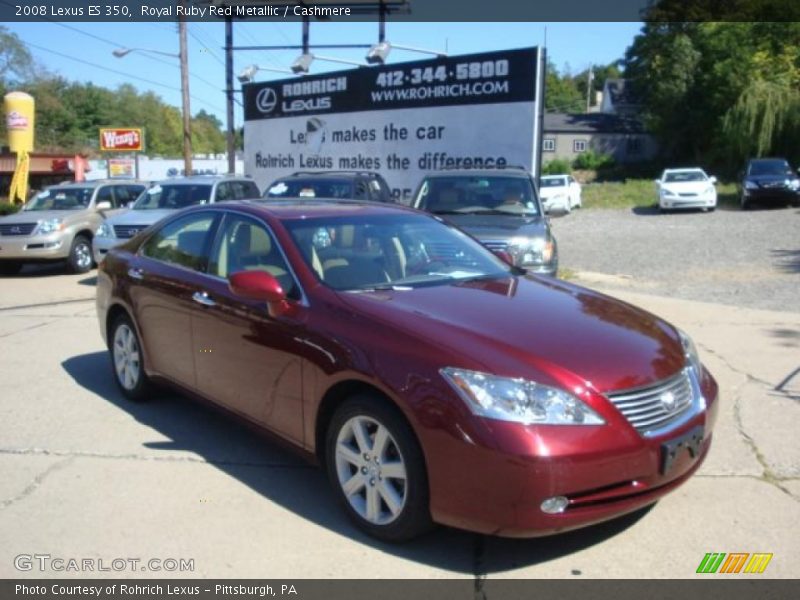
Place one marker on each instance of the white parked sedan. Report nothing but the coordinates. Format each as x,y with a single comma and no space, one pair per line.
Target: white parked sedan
560,193
686,188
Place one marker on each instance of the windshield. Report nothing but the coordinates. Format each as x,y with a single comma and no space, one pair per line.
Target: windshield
770,167
468,194
311,188
368,252
553,182
173,196
682,176
61,199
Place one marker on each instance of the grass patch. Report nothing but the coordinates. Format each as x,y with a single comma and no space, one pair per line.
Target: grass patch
633,193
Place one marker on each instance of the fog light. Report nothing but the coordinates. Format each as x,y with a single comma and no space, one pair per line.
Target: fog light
554,505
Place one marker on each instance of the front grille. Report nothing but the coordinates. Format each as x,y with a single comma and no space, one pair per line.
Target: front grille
128,231
652,408
688,195
17,228
495,245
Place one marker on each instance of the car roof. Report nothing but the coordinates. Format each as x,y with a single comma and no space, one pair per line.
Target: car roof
302,208
684,170
329,175
94,183
201,179
554,176
505,172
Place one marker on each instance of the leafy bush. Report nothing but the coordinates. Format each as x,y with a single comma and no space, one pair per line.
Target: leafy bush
591,160
6,208
557,166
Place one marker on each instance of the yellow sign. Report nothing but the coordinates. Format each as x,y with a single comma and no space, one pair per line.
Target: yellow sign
20,112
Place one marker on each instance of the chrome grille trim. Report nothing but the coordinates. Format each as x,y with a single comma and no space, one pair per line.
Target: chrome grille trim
644,408
17,228
128,231
495,245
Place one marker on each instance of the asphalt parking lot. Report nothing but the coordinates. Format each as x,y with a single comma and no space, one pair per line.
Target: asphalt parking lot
729,256
90,475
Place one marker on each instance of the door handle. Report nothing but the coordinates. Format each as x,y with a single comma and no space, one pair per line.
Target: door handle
135,273
202,298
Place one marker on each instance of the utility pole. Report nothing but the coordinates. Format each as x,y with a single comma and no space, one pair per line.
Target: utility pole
231,135
187,115
589,79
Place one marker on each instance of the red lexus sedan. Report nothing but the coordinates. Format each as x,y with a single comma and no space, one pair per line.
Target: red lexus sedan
434,381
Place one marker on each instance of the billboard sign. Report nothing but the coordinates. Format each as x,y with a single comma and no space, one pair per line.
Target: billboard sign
402,120
121,140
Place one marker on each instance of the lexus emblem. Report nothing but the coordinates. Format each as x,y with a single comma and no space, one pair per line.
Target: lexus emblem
16,230
266,100
667,401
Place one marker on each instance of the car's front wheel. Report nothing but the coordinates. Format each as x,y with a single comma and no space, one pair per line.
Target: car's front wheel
127,360
80,255
377,469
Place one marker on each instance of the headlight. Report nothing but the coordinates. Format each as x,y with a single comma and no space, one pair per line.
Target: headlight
51,225
710,190
690,352
667,192
750,185
794,184
518,400
531,251
105,230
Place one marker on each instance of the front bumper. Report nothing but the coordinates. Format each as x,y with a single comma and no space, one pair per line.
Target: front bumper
497,483
775,194
687,202
101,246
34,248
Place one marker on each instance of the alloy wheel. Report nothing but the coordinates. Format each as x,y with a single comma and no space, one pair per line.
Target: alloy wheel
126,357
371,470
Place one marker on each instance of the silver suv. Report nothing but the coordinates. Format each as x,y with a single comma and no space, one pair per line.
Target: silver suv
59,222
165,197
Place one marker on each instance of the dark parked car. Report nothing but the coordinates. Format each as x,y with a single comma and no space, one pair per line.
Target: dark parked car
500,207
769,180
434,381
342,185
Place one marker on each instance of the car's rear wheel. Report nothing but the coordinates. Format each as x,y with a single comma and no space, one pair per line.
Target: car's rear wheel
127,360
10,267
80,255
377,469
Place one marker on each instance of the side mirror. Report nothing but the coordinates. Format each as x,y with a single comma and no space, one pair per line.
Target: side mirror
504,256
104,205
260,286
712,179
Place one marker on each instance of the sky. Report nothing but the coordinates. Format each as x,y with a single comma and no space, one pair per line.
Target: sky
83,51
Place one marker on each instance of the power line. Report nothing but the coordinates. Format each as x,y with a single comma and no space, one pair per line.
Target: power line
148,56
122,73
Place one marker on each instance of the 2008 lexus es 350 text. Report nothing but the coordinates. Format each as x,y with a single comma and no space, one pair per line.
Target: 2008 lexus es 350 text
435,382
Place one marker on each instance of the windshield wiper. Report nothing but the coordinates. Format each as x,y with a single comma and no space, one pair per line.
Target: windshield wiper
382,287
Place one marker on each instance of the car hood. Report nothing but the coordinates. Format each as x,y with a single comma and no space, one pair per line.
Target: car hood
769,179
139,217
499,227
32,216
531,327
687,187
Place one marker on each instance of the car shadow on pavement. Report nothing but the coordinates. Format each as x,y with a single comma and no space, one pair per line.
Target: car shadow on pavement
287,480
787,261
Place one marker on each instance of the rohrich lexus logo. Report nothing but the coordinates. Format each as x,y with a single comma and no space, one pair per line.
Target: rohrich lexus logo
266,100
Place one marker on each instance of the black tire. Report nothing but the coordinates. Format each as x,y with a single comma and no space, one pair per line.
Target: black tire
140,390
10,267
413,519
80,255
745,203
